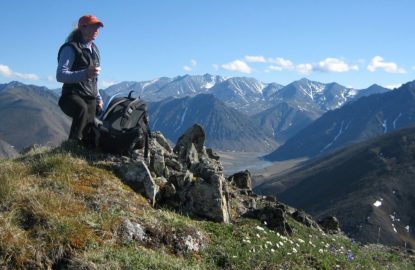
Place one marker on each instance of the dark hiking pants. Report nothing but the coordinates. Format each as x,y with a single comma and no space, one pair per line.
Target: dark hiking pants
82,111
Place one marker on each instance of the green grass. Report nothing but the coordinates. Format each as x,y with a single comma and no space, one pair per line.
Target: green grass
63,208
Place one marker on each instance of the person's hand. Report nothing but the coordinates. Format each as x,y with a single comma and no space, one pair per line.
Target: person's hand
92,71
100,104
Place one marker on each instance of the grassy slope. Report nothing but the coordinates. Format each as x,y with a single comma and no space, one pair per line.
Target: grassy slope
63,207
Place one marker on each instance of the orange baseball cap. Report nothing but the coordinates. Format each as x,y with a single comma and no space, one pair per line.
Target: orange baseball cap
88,20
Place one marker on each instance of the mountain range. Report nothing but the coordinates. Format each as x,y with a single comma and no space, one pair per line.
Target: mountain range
362,119
225,127
245,114
369,187
30,115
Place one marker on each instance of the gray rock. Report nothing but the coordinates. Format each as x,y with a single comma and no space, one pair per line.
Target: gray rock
305,219
330,224
158,136
129,231
194,243
157,163
242,180
139,178
173,163
181,179
207,200
211,154
273,217
189,146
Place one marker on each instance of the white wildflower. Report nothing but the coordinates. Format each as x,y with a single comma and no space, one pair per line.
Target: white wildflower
265,223
300,240
281,244
272,250
320,250
269,243
259,228
294,250
257,235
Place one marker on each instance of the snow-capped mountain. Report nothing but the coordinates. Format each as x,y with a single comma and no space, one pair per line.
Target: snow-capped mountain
161,88
225,127
311,95
356,121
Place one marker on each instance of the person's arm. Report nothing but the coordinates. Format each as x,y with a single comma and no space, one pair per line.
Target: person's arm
63,72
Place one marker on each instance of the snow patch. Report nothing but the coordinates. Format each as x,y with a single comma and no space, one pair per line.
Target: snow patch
377,203
337,136
181,120
396,119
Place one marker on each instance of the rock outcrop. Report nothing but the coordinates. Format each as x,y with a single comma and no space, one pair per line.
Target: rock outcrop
189,179
185,178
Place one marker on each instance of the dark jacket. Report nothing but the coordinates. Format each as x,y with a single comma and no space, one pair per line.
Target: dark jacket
84,58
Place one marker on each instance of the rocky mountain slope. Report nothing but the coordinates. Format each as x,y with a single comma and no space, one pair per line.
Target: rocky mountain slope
225,127
30,115
69,208
356,121
369,187
283,121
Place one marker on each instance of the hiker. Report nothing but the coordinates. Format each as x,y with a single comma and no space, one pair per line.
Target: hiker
78,70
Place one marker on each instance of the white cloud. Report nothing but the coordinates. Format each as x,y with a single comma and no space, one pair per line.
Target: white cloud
281,62
334,65
8,72
238,65
379,63
193,63
275,68
255,59
304,68
215,66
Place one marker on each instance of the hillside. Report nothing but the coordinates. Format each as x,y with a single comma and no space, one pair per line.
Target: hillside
69,208
225,127
362,119
30,115
369,187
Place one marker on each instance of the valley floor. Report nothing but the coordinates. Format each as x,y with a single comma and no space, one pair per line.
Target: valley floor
260,168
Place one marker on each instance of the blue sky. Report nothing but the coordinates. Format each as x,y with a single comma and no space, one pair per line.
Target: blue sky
353,42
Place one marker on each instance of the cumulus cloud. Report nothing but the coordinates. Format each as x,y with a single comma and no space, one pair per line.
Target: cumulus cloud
238,65
304,68
334,65
379,63
255,59
193,63
8,72
282,63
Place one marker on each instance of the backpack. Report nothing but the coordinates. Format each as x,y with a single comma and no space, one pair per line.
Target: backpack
123,126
